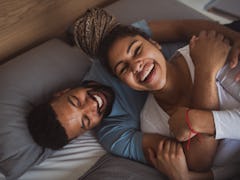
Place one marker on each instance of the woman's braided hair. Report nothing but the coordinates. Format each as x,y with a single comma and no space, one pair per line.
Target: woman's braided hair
91,28
96,31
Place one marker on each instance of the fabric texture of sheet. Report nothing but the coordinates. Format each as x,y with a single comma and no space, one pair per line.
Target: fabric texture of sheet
70,162
111,167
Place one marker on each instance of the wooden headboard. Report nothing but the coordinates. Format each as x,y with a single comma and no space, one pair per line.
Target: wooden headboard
26,23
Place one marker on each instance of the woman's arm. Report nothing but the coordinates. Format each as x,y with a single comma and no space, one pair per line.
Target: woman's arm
177,30
201,121
209,52
226,124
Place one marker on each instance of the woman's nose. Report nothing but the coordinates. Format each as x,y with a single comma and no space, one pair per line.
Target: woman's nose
136,66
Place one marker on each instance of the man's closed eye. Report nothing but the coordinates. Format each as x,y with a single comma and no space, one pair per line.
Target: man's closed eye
73,100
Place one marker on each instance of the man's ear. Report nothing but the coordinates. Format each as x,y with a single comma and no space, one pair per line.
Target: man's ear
156,44
60,93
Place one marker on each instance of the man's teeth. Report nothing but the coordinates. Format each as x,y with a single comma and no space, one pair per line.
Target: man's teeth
147,72
99,100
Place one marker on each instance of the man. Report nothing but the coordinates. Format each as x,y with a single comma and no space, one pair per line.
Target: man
70,113
120,133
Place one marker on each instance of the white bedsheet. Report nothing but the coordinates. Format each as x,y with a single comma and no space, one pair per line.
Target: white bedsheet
69,163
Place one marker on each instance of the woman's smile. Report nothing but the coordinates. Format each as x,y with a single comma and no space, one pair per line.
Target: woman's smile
142,68
145,76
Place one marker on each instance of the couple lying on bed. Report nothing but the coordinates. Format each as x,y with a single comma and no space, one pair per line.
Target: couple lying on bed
138,61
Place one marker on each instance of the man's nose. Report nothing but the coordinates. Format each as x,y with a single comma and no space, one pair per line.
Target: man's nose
136,66
90,105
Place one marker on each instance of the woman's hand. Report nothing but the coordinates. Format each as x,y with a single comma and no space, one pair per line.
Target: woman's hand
170,160
201,121
209,52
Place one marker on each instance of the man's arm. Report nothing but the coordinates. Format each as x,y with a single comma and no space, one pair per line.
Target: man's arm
196,157
227,123
121,137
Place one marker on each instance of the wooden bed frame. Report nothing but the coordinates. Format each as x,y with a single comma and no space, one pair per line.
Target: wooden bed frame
27,23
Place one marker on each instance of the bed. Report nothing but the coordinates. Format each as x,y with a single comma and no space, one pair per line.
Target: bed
34,74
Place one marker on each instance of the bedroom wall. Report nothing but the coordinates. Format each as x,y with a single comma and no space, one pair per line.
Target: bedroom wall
26,23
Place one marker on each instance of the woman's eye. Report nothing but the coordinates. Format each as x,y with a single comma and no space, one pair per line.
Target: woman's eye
137,50
123,69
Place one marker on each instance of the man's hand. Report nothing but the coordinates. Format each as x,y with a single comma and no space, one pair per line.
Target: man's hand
170,159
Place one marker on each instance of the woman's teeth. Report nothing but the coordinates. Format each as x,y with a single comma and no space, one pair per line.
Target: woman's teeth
147,71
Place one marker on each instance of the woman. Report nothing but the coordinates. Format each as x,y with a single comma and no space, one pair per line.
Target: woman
140,64
149,66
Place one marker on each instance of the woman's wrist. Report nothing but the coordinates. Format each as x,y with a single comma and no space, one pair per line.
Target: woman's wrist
202,121
205,74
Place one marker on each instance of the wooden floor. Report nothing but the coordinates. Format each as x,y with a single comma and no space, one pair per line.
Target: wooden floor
25,23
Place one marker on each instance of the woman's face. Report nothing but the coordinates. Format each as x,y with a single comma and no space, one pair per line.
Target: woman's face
138,62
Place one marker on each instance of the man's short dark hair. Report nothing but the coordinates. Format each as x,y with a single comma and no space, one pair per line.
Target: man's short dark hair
45,128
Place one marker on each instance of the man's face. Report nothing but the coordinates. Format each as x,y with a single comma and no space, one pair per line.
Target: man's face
82,108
